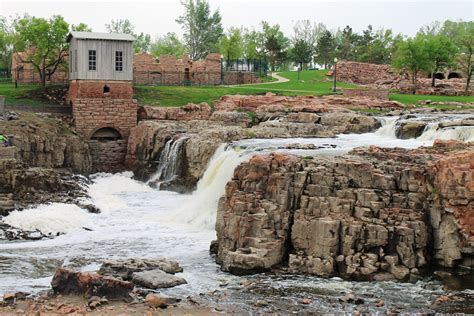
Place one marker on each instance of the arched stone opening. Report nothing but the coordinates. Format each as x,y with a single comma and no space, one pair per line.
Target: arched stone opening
106,134
106,89
439,76
454,75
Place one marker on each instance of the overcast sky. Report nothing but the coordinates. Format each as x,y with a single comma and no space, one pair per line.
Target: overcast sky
158,17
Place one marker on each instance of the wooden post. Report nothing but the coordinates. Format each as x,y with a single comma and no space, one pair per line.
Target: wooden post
2,104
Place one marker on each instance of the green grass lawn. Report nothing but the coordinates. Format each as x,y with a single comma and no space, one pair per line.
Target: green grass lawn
310,82
415,98
18,96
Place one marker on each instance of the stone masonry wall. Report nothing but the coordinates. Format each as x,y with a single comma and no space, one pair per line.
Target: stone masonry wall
361,73
108,155
95,89
90,114
24,72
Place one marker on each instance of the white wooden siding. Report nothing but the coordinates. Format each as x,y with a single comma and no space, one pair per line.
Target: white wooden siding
105,52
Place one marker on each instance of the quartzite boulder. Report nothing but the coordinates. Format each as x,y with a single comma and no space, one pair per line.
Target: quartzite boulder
66,282
367,215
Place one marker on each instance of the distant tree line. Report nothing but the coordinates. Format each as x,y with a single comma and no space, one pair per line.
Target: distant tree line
434,48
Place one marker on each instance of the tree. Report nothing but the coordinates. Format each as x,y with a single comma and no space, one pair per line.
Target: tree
81,27
202,29
325,49
441,51
275,43
231,44
412,56
142,42
169,44
6,45
251,44
346,44
301,52
45,40
462,34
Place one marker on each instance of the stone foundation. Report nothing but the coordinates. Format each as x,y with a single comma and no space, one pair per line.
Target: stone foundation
95,89
108,156
91,114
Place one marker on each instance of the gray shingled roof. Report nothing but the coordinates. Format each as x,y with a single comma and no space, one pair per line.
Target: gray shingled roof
101,36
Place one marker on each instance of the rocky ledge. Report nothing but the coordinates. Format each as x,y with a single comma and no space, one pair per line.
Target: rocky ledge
372,214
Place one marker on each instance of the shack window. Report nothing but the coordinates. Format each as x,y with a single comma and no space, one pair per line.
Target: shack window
118,61
92,60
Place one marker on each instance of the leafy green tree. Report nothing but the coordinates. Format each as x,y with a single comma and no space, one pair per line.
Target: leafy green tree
81,27
202,29
301,53
462,34
231,44
169,44
325,49
441,51
45,40
120,26
142,42
346,44
6,45
251,44
412,56
275,44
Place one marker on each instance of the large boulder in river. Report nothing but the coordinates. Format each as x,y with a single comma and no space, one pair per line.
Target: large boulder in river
156,279
66,282
124,269
410,129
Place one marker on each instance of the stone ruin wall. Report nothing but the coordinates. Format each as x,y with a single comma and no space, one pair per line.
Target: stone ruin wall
24,72
383,77
362,73
172,71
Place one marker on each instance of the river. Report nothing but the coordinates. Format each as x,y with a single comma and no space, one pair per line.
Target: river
138,221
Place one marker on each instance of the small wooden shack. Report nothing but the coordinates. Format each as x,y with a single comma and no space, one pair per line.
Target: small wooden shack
100,56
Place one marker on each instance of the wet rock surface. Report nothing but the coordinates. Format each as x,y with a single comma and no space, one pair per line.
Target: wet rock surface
124,269
376,213
66,281
156,279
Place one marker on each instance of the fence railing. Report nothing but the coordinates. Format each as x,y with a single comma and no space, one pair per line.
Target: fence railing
183,78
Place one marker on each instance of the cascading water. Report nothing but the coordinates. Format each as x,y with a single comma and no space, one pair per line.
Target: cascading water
200,209
139,221
170,162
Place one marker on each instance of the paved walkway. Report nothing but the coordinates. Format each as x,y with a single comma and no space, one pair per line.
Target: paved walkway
279,79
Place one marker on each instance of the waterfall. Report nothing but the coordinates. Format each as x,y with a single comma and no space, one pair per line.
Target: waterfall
200,209
388,128
462,133
432,130
170,162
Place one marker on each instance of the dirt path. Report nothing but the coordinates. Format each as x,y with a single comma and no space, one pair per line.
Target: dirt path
279,79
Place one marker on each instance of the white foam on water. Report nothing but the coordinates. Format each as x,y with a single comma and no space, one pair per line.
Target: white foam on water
107,189
460,133
199,211
49,218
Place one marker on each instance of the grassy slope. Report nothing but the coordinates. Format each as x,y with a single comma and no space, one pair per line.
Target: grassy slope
17,96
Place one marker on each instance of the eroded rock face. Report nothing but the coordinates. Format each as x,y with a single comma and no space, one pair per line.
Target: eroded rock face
373,213
124,269
411,129
148,140
66,282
